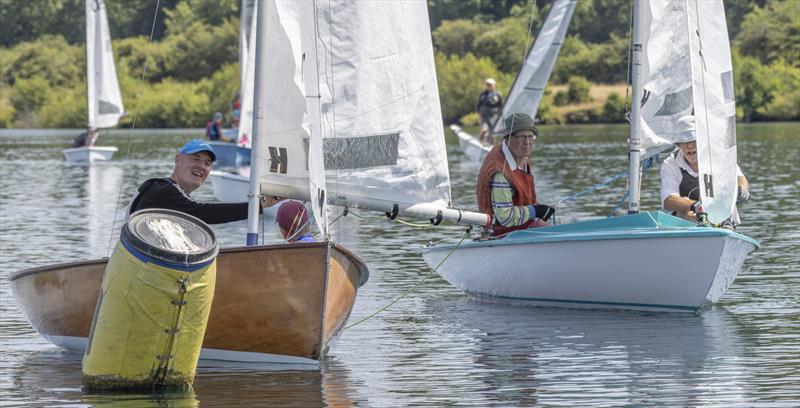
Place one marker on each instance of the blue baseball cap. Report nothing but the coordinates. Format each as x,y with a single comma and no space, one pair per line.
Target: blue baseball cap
196,146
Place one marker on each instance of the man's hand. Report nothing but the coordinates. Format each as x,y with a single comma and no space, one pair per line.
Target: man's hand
543,211
699,213
743,195
269,200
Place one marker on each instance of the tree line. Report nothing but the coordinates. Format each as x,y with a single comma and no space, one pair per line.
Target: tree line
190,68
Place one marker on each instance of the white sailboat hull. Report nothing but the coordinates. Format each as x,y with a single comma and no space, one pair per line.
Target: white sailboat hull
470,145
229,187
661,269
89,154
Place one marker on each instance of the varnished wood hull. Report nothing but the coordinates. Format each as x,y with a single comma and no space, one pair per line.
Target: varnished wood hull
274,303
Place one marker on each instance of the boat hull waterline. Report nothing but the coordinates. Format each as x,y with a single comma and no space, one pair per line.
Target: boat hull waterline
272,304
89,154
649,261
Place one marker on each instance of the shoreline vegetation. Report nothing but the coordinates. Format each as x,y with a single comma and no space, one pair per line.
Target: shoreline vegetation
191,69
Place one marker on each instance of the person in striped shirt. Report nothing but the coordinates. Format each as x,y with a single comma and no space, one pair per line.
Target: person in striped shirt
506,188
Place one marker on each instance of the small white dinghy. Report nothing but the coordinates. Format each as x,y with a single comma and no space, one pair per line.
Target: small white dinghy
89,154
473,148
230,187
104,100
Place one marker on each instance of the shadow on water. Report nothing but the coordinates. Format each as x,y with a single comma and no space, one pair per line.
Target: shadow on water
53,377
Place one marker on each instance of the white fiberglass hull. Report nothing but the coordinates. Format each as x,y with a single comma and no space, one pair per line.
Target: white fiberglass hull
89,154
470,145
229,187
666,268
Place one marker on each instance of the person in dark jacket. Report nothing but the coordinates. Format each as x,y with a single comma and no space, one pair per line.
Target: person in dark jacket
192,167
489,105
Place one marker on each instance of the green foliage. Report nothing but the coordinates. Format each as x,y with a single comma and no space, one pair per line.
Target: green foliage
49,57
170,104
766,92
597,21
206,12
66,108
7,110
606,62
456,37
614,109
578,90
221,88
200,50
772,32
30,93
462,79
505,43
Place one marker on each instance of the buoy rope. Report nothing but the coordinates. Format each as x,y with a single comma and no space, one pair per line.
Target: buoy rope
411,289
166,359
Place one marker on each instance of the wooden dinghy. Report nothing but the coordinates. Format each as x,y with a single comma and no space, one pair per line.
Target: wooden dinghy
273,303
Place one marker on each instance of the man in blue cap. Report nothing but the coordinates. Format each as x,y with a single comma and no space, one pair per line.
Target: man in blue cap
192,167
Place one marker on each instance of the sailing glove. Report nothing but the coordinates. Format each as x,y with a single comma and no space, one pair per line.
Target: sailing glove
743,195
542,211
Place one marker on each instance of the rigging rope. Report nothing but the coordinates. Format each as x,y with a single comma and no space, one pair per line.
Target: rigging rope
411,289
133,126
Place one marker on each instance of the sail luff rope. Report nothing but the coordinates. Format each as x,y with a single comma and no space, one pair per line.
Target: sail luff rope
703,87
133,126
411,289
628,97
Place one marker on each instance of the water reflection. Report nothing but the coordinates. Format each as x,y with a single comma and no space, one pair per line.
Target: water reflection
525,356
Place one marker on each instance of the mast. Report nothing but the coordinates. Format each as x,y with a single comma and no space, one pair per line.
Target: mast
634,175
258,141
91,98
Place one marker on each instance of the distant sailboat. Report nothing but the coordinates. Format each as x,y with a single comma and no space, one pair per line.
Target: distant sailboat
104,100
528,88
650,260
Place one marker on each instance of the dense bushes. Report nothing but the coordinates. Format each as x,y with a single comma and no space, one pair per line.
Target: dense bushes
190,70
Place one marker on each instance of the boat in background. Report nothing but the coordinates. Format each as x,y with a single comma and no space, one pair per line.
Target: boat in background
230,186
644,261
528,88
104,100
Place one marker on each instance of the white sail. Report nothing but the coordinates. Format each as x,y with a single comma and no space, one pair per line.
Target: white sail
247,48
379,102
715,109
104,98
526,94
687,71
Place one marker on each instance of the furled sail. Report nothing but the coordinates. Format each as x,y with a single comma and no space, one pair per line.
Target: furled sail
104,98
377,100
526,94
687,72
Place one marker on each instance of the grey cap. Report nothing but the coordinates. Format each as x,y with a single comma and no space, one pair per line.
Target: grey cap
520,121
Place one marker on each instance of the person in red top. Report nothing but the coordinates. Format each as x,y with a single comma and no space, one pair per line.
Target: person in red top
506,189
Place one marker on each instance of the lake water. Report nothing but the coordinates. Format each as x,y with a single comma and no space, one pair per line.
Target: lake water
436,346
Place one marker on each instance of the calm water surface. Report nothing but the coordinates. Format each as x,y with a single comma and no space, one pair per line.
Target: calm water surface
436,346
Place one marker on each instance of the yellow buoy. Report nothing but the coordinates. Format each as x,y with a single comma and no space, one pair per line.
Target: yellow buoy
154,304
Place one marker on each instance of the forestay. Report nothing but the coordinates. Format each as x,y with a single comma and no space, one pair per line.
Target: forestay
104,98
675,33
377,100
527,91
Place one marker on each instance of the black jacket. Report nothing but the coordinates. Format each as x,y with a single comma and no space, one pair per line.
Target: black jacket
165,193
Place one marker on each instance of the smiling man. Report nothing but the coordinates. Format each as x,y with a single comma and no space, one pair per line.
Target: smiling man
192,167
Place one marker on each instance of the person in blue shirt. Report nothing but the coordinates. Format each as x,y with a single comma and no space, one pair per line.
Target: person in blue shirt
292,219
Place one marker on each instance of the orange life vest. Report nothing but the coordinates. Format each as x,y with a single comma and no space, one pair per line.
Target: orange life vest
521,181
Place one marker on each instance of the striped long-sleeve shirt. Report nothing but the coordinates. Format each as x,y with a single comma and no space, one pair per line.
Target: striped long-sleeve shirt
505,212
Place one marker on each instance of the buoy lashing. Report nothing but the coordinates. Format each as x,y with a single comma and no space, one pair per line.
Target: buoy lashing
154,304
